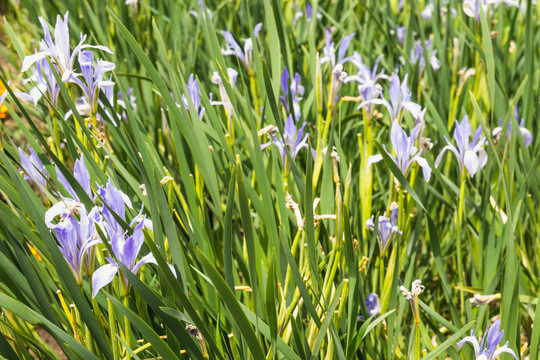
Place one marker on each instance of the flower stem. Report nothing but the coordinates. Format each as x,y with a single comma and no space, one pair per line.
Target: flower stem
459,221
416,349
127,327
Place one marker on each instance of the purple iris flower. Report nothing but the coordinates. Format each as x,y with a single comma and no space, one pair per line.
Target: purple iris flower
386,228
295,89
367,79
338,78
195,96
365,72
77,239
491,350
372,305
470,155
69,206
93,80
400,98
45,83
401,32
527,135
293,139
406,150
116,200
34,169
309,13
417,56
225,100
329,51
126,248
80,172
59,50
245,55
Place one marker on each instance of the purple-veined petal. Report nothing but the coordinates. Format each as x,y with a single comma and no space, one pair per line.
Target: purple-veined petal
447,147
30,60
503,349
426,169
471,339
412,107
102,277
62,179
527,136
344,46
257,29
394,215
372,305
80,172
471,162
370,224
147,259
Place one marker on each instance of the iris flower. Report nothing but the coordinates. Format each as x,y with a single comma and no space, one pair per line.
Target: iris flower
386,228
372,305
296,91
59,50
195,96
77,238
34,169
329,51
126,248
225,100
293,139
93,80
470,154
70,205
405,149
245,55
490,351
45,83
527,135
417,55
400,98
367,79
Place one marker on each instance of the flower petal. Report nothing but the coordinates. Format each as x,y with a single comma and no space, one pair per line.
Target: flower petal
471,162
373,159
426,169
102,277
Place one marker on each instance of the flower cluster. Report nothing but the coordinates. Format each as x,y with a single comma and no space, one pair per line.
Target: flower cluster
57,57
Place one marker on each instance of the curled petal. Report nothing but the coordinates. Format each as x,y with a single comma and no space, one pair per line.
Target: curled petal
527,136
471,339
30,60
447,147
373,159
504,349
426,169
102,277
55,210
147,259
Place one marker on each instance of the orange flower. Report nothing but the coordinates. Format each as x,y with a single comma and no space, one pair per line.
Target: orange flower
34,252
